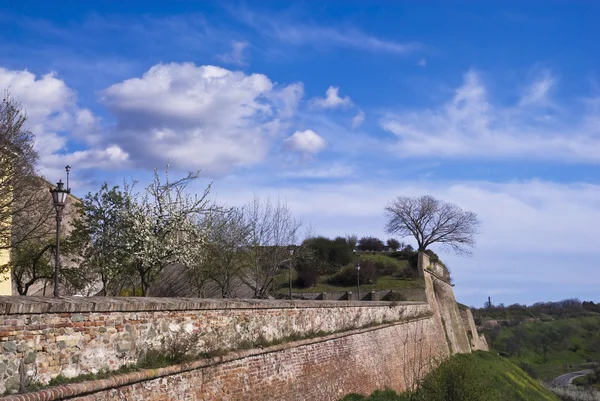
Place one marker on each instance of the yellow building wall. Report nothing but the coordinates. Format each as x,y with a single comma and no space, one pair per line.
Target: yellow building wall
5,278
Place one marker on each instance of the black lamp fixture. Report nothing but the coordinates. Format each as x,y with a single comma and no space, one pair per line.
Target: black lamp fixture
59,197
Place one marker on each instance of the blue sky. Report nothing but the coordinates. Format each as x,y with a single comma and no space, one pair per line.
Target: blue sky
338,107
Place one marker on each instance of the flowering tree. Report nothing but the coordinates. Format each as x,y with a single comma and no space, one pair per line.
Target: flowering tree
162,227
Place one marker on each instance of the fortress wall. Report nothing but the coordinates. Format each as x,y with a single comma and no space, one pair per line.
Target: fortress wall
71,336
393,356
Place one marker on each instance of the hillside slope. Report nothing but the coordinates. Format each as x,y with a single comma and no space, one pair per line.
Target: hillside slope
471,377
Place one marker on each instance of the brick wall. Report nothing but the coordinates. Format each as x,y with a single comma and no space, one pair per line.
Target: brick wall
392,356
74,335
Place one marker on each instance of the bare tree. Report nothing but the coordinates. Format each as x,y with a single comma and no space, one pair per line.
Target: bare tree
272,227
24,212
432,221
223,259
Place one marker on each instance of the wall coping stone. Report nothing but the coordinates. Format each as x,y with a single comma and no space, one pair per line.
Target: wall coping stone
436,276
78,389
20,305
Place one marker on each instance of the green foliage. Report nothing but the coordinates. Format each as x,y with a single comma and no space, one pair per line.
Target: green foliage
370,244
329,254
549,347
470,377
307,274
349,275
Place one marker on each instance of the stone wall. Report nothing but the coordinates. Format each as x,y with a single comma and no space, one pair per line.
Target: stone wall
373,345
477,341
392,356
71,336
440,297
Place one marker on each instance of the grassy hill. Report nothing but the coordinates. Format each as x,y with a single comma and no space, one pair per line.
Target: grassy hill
378,272
471,377
547,349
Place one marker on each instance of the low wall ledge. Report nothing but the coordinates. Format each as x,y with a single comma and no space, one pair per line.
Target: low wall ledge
19,305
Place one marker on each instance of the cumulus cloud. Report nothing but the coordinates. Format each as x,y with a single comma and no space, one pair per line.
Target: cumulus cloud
331,100
236,55
469,125
305,142
202,117
55,118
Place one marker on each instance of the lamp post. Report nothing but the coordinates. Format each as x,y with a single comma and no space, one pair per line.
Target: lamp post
59,197
291,249
358,280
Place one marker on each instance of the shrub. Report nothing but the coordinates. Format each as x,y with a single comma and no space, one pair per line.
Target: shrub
307,275
384,265
408,273
348,275
370,244
453,380
394,296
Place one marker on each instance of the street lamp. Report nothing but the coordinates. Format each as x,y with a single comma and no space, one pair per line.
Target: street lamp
291,249
59,197
358,280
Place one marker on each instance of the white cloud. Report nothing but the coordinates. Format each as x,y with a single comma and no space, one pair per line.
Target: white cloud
422,63
203,117
282,29
358,119
305,142
236,55
54,117
537,92
468,125
336,170
331,100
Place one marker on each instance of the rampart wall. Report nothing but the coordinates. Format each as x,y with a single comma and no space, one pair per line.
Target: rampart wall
361,346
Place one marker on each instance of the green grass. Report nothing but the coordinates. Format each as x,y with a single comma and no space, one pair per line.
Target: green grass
470,377
570,344
382,283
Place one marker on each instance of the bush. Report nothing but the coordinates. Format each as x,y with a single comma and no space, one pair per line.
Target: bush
307,275
408,273
348,275
394,296
370,244
329,254
384,265
455,379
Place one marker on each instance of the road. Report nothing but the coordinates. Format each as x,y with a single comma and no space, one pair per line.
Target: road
567,378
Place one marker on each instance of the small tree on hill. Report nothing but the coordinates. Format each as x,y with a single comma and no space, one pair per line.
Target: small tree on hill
432,221
393,244
370,244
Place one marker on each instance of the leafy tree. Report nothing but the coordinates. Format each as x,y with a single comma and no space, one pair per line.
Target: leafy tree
329,255
31,262
431,221
98,241
370,244
393,244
